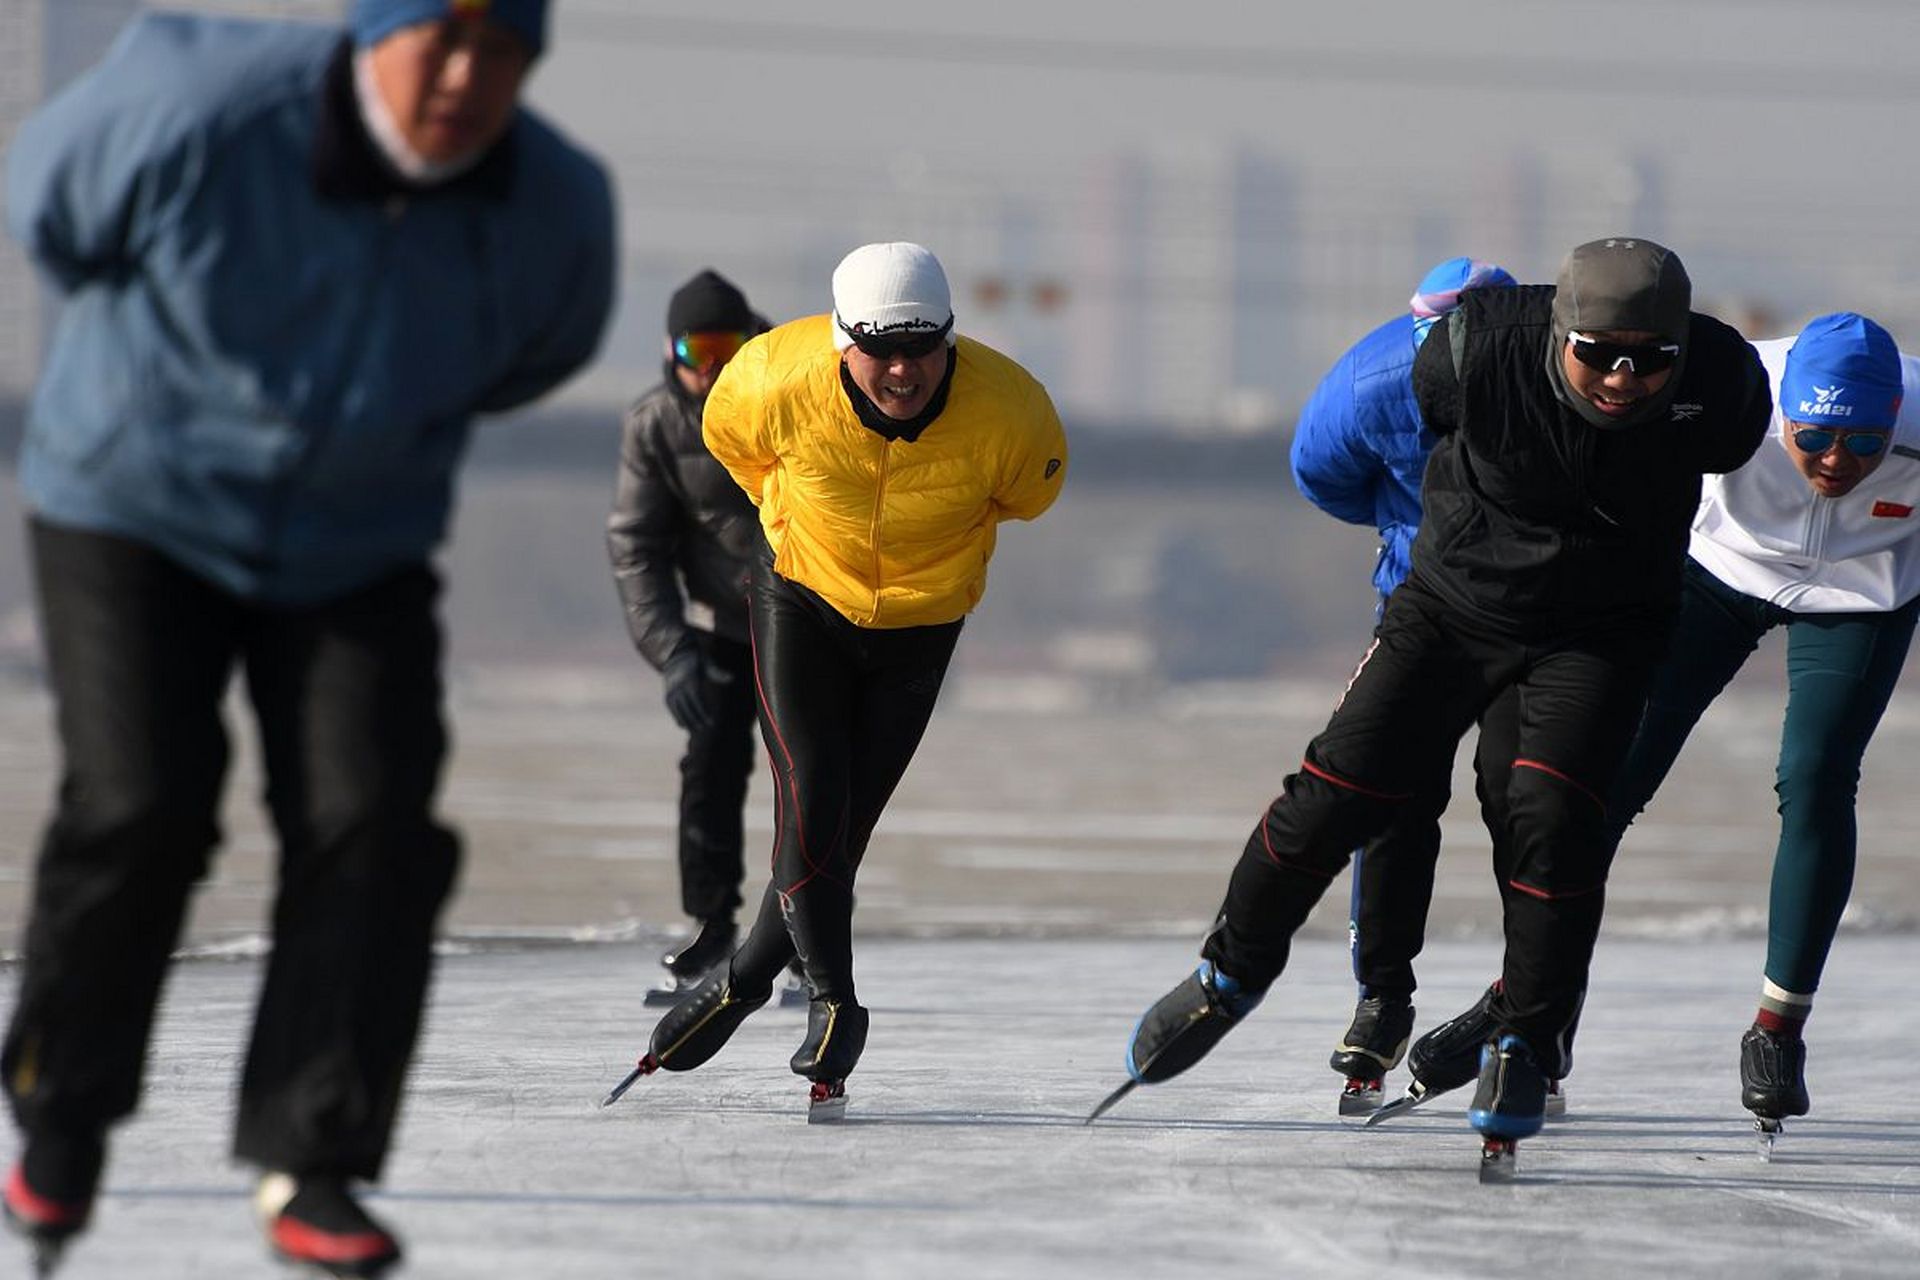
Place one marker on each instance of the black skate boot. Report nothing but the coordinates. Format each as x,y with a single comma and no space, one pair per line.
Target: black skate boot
49,1193
1773,1083
1181,1027
1509,1104
1373,1046
314,1222
695,1029
1445,1058
693,958
836,1034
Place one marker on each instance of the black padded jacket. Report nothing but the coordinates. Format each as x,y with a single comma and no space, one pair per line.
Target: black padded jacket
1535,521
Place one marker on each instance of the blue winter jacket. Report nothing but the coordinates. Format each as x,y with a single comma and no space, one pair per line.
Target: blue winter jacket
1359,448
269,381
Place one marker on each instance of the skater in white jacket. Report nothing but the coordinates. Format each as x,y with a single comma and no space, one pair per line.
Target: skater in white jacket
1820,534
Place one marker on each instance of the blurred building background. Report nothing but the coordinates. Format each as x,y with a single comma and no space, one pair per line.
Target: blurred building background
1176,217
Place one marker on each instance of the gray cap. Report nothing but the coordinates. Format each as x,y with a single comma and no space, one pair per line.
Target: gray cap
1622,284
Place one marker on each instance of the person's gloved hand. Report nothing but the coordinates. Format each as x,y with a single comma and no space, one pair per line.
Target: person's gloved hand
689,701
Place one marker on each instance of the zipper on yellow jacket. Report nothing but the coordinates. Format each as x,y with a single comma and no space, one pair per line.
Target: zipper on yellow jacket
873,531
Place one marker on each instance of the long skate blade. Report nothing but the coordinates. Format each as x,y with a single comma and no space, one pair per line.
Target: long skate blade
1498,1161
1405,1102
1766,1133
1360,1098
645,1066
1106,1103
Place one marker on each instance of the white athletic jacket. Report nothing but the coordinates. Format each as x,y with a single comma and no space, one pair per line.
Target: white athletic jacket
1765,533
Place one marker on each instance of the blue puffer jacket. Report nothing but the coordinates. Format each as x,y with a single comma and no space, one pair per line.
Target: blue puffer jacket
268,379
1359,448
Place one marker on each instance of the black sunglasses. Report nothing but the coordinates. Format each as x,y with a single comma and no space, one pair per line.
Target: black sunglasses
913,346
1639,358
1861,444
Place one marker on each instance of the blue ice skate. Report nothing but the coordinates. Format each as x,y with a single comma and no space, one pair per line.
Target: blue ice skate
1181,1027
1511,1101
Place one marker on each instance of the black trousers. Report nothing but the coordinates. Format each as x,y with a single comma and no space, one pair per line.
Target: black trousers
347,699
1394,873
842,709
713,782
1384,758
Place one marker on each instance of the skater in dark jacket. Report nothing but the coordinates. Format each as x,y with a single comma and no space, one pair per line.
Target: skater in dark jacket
1574,424
681,537
1358,452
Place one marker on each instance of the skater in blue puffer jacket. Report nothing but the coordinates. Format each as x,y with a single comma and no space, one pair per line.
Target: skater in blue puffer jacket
294,262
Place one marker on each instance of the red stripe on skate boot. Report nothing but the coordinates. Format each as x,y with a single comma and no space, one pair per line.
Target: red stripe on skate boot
305,1243
39,1212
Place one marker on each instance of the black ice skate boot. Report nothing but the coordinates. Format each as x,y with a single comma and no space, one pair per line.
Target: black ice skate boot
1187,1022
1773,1072
1449,1055
693,958
49,1193
313,1221
836,1034
1373,1046
700,1026
1773,1085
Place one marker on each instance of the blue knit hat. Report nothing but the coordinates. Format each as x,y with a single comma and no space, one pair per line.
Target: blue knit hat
1439,290
374,20
1843,371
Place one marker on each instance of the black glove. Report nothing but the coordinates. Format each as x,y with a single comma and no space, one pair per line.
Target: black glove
689,701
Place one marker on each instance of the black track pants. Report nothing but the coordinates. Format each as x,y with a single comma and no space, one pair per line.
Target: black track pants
714,773
1385,756
347,697
842,709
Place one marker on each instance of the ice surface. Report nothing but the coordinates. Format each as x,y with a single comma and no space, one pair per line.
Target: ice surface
963,1153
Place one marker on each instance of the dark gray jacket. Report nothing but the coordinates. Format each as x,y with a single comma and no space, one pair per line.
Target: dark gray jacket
681,532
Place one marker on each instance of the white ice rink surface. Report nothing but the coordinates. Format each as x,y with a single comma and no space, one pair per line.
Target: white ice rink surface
963,1154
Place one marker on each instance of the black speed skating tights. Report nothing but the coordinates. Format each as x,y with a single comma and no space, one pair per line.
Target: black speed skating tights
842,709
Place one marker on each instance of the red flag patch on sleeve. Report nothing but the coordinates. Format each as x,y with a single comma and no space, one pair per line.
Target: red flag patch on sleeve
1892,510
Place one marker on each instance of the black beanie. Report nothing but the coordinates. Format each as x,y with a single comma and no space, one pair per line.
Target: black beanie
709,303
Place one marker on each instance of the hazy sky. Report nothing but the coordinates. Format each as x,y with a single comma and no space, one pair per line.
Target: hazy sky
1767,137
1107,147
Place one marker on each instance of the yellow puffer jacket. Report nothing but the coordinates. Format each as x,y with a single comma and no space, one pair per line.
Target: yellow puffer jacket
892,533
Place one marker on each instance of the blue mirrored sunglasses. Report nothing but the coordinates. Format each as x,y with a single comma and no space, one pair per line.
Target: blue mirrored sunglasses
1861,444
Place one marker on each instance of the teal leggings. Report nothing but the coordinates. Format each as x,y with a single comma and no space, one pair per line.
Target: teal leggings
1841,669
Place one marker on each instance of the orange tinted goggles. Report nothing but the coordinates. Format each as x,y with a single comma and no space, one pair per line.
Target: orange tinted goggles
698,350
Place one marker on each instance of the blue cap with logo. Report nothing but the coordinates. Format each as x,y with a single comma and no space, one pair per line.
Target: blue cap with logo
375,20
1842,371
1439,290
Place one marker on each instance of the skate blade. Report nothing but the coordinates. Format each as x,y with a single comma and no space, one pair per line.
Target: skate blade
1498,1161
1767,1132
827,1103
1404,1103
1360,1098
1106,1103
645,1067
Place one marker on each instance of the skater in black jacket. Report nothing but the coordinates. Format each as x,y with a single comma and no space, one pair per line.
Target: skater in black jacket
1574,424
681,537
